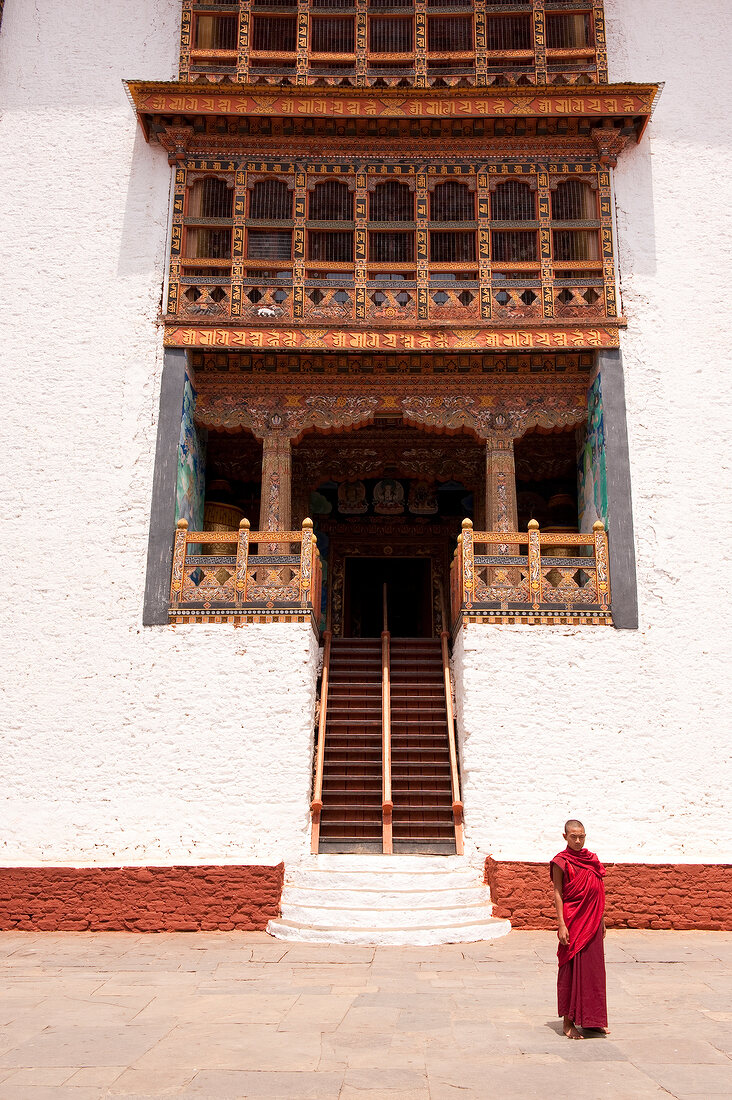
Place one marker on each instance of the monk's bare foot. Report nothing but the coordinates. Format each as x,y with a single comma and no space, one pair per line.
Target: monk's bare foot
570,1030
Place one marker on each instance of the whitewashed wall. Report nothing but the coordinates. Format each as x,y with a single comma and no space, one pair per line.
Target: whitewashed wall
155,745
118,743
631,731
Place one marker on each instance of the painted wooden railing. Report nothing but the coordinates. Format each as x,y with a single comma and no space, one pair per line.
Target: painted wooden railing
519,575
457,802
387,800
263,579
316,804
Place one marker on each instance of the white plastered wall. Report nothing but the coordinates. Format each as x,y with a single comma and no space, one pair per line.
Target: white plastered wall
631,730
119,744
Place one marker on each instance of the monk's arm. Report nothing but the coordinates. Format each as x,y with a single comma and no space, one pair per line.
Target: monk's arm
557,876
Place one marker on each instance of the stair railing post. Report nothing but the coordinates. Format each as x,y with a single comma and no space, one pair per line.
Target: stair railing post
457,804
387,804
179,561
242,563
316,804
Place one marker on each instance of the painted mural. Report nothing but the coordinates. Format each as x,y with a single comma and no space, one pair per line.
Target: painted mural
191,484
591,463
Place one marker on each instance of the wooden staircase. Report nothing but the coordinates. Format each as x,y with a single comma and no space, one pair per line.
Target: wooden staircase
362,717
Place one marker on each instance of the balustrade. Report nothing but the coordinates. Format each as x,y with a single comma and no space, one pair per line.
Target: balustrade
540,577
257,580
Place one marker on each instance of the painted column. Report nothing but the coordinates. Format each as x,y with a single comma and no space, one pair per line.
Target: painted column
275,509
500,484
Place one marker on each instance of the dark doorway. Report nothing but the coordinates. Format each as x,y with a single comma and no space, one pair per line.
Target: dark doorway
409,597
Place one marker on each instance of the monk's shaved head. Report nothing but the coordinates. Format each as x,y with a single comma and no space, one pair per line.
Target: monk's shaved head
573,823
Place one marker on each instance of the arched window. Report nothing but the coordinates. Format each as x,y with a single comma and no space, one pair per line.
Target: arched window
391,202
210,197
513,202
573,200
452,202
270,199
331,201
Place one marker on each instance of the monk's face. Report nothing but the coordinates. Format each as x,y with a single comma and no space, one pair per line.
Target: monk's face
575,838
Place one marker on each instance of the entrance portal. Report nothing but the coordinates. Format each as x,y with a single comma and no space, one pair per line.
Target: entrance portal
408,597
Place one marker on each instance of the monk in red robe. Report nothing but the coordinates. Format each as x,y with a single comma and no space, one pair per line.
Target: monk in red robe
579,898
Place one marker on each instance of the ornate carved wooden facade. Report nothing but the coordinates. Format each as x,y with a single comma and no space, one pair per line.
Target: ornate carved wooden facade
391,212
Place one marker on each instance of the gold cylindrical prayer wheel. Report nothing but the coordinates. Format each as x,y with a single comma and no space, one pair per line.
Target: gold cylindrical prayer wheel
221,517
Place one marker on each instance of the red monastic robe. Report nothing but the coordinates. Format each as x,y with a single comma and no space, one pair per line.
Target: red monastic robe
581,978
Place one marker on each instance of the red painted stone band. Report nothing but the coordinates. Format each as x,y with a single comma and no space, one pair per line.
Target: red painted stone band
139,899
639,895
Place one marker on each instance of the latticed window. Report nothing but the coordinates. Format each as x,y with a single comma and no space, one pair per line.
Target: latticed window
566,32
216,32
271,199
210,198
451,34
391,248
513,202
274,33
212,244
332,35
514,246
509,32
573,200
269,244
331,201
576,244
391,202
390,35
390,3
452,247
452,202
331,3
330,247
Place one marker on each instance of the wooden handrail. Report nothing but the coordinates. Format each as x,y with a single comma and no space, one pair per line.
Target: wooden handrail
387,803
316,804
457,804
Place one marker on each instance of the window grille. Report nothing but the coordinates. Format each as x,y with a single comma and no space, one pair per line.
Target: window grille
269,244
452,3
217,32
452,202
391,248
452,247
330,247
331,3
274,33
513,202
332,35
573,201
509,32
447,34
212,244
210,198
514,246
505,3
331,201
566,32
391,4
576,244
391,202
270,199
390,35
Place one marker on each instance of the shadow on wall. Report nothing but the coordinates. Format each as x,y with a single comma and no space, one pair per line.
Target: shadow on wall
634,209
145,222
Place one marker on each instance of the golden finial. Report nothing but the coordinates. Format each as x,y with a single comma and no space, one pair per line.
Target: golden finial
533,525
598,525
307,522
182,525
244,524
467,523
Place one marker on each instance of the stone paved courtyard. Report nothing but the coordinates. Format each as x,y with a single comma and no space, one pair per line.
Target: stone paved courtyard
242,1015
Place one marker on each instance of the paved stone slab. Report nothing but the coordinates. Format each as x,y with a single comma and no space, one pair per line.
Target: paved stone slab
240,1015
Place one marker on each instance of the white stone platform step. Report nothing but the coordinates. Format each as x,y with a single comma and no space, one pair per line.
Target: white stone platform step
357,899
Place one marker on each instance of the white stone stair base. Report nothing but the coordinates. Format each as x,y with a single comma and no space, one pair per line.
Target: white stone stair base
400,900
